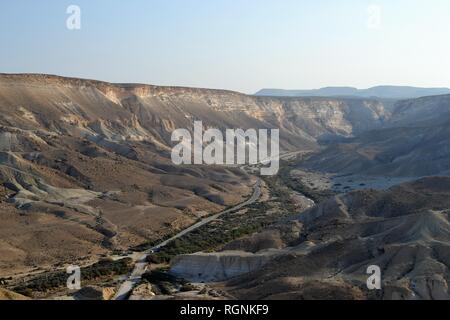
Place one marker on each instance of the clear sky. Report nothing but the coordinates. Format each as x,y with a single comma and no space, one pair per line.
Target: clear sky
242,45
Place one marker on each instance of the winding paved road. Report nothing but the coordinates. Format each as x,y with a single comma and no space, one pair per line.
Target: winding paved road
141,257
140,261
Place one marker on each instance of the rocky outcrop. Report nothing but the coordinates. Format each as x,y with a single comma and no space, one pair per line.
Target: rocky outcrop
9,295
210,267
94,293
142,292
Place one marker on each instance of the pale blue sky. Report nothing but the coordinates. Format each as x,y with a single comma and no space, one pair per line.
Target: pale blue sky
241,45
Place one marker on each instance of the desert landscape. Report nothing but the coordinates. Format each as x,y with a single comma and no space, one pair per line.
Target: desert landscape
86,179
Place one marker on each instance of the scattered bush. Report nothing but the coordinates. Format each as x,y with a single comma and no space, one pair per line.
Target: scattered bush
50,281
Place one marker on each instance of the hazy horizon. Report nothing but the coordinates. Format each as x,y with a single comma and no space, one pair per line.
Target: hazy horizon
288,44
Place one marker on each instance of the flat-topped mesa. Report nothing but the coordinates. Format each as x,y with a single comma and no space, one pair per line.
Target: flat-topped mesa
138,89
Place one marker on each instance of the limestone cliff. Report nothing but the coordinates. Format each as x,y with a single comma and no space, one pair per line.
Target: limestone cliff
210,267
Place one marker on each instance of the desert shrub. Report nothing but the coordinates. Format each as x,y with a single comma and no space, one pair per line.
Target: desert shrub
166,288
157,276
188,287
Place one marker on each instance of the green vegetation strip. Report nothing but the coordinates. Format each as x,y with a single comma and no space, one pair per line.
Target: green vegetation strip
231,226
53,280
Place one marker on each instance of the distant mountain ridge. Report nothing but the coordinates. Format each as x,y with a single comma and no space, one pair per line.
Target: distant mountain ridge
386,92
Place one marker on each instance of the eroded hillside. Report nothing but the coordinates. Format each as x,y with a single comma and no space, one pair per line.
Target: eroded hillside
413,143
405,231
